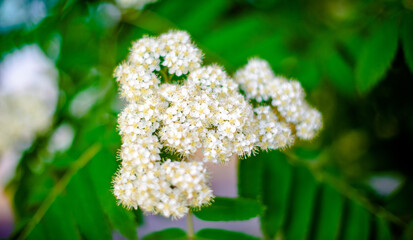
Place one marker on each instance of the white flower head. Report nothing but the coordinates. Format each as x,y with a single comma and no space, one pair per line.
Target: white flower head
286,98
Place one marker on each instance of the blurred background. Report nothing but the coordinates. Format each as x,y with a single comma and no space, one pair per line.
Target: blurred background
59,103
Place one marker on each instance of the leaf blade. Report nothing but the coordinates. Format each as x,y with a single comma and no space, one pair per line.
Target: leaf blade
302,201
230,209
329,215
221,234
406,36
276,176
377,55
167,234
101,169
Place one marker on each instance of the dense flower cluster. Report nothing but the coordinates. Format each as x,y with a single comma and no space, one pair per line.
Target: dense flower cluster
286,98
206,112
179,108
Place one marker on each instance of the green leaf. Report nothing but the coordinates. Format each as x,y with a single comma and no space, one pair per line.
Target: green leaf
406,35
357,223
221,234
340,72
230,209
37,233
301,208
52,221
383,230
102,168
232,35
308,74
201,16
86,208
58,189
167,234
329,213
276,186
250,178
377,55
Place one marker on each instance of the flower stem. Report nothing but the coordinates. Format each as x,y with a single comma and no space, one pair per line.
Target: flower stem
165,76
190,225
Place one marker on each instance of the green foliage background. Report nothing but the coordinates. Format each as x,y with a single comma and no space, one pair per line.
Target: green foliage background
354,58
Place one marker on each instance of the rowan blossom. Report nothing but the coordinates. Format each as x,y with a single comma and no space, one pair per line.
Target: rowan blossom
202,111
285,97
178,108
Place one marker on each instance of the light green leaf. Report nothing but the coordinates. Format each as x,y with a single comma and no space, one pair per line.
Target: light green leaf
232,35
328,212
52,221
58,189
300,211
230,209
406,36
201,16
37,233
221,234
275,191
308,74
167,234
377,55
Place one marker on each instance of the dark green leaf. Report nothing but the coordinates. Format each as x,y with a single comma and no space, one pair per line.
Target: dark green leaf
408,232
250,178
230,209
329,213
275,191
356,224
220,234
406,35
301,206
377,55
340,73
383,230
167,234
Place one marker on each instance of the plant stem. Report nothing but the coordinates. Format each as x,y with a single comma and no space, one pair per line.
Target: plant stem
190,225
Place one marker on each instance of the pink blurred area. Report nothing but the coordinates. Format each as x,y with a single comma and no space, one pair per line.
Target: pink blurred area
6,215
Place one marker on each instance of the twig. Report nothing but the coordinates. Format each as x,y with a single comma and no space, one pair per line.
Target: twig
190,225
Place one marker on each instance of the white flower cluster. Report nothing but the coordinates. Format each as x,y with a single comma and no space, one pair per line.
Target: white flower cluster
206,112
28,97
178,107
286,98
